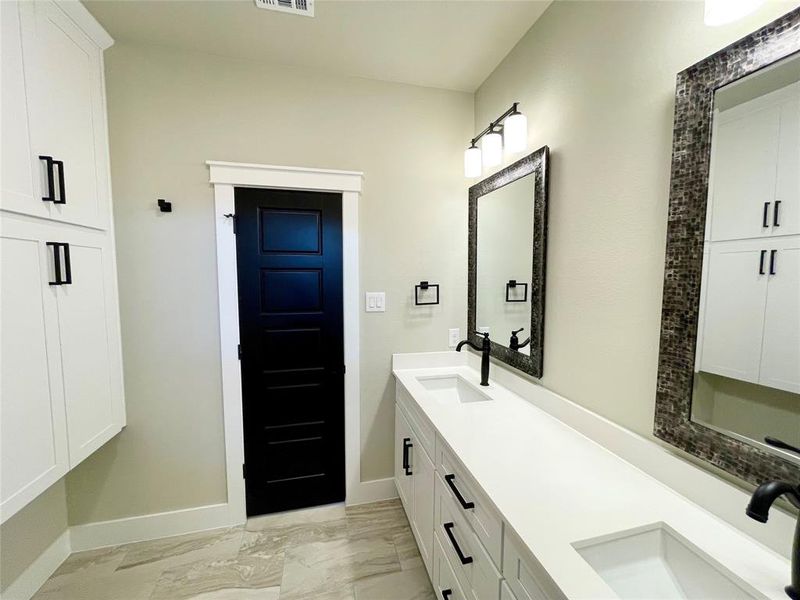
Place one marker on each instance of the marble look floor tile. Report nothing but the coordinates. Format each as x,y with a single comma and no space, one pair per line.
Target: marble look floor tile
318,514
272,593
217,576
403,585
327,569
182,549
125,585
277,538
91,563
407,550
378,519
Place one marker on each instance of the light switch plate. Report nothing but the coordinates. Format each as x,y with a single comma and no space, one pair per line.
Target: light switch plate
454,336
375,302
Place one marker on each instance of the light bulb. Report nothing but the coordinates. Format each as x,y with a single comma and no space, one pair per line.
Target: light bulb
515,133
492,149
720,12
472,161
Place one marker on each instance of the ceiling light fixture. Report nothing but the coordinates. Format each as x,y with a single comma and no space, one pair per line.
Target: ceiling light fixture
721,12
509,129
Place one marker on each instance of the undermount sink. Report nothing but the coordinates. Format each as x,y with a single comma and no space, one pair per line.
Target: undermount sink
655,562
452,389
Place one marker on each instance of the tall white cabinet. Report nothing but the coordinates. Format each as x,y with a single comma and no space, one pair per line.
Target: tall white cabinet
61,392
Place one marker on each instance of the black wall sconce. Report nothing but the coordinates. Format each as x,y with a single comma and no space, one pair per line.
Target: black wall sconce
514,284
424,286
164,206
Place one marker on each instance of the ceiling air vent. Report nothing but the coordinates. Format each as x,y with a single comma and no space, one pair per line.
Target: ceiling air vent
295,7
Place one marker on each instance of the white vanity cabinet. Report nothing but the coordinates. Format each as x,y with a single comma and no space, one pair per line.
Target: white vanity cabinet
61,364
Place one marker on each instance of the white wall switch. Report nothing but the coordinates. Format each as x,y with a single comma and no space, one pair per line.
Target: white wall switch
454,336
376,302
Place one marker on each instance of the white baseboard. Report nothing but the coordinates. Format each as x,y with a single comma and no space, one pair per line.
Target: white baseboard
372,491
150,527
32,578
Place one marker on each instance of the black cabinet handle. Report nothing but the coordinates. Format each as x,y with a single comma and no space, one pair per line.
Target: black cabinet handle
761,262
776,443
51,196
772,261
775,217
465,560
62,192
464,504
57,247
446,594
764,219
406,445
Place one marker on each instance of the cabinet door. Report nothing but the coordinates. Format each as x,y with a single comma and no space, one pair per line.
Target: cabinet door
424,478
87,318
33,440
780,358
445,583
787,219
733,318
17,173
403,477
63,76
743,173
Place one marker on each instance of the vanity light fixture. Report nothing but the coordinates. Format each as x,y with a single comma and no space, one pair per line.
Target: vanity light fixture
509,129
721,12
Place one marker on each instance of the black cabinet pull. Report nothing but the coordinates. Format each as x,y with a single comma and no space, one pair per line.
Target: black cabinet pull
464,504
772,261
775,217
761,262
406,445
465,560
62,192
776,443
764,219
51,196
446,594
57,246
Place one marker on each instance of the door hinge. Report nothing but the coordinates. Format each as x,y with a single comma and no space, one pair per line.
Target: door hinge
244,471
231,216
239,351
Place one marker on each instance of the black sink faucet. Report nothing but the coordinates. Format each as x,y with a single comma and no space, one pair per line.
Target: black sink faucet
514,343
485,350
759,506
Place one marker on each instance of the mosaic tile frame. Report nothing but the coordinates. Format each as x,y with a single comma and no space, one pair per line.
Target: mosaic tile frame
691,148
536,163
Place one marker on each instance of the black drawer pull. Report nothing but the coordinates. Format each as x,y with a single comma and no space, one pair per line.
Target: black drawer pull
62,192
57,246
761,262
464,504
772,261
51,196
764,219
446,594
406,445
465,560
775,217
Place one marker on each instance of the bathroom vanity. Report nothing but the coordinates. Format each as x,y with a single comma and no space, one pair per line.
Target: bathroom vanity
507,501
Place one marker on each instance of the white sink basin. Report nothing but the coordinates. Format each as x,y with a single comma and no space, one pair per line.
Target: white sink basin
452,389
655,562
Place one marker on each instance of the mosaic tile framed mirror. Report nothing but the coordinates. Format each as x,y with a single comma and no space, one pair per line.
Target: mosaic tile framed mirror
728,388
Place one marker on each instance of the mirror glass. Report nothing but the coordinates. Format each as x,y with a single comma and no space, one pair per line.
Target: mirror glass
747,360
505,263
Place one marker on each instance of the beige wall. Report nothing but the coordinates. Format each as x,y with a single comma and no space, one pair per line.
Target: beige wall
597,81
171,111
30,532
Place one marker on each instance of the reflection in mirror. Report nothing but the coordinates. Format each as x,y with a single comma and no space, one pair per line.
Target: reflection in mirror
747,361
505,263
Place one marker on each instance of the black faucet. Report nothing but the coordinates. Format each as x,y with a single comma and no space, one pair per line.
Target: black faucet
514,343
485,350
759,506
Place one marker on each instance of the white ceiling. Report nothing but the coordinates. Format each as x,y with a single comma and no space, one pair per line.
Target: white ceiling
445,44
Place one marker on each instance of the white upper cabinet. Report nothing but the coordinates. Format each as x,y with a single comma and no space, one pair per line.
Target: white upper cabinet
63,87
755,179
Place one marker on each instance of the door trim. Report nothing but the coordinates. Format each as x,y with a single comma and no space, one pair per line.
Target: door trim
225,176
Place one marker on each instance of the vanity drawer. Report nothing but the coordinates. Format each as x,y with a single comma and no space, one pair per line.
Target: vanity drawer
444,578
525,577
473,566
424,431
483,517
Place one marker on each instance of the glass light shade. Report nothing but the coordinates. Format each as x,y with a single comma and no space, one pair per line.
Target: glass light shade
492,149
515,133
720,12
472,162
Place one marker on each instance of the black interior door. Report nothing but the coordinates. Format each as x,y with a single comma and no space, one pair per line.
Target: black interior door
289,254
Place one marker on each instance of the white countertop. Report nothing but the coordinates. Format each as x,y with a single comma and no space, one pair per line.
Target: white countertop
554,486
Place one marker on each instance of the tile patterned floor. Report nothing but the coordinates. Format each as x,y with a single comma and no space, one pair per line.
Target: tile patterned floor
362,552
